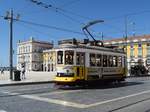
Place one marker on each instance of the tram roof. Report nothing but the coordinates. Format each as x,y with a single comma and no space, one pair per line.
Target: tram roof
72,46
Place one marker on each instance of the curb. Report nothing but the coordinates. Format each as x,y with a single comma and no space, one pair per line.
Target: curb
25,83
138,76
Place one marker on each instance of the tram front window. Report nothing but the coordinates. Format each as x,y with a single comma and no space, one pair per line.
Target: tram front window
60,57
69,57
80,58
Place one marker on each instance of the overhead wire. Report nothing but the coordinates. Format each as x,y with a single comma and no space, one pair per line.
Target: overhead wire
51,27
57,9
60,9
35,30
69,3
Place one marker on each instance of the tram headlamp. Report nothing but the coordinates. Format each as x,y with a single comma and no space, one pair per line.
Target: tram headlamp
67,71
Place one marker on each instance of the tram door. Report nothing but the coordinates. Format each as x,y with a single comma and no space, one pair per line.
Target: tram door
80,65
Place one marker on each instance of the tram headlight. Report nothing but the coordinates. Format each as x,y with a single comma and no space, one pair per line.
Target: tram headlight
67,71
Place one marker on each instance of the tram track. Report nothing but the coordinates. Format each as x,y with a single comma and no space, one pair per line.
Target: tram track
129,105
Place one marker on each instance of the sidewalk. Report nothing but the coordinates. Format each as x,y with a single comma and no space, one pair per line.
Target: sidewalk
31,78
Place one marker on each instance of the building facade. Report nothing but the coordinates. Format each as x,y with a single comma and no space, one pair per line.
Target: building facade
49,60
30,54
138,49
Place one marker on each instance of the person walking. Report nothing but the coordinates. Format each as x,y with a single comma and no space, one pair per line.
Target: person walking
23,73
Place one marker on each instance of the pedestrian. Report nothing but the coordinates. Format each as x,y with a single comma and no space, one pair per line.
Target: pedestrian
23,73
2,71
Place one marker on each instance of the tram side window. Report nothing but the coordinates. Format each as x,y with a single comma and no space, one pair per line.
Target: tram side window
60,57
114,61
119,61
104,60
110,61
80,58
98,60
92,60
69,57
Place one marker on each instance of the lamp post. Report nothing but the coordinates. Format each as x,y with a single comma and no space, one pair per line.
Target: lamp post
10,17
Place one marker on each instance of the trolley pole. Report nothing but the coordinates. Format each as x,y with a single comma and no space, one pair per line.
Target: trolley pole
10,18
126,34
126,38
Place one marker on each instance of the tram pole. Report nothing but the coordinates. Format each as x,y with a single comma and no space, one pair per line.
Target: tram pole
126,34
10,18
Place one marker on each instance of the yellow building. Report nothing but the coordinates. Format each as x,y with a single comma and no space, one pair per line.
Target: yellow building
138,49
49,60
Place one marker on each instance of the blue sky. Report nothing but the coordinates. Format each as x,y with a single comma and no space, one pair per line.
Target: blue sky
111,11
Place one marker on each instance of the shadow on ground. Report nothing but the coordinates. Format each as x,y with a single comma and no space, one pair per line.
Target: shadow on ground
100,85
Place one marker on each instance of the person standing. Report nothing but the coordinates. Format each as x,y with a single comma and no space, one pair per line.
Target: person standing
2,71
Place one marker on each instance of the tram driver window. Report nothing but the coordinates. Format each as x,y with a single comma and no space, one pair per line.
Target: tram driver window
104,61
119,61
98,60
92,60
80,58
60,57
69,57
114,61
110,61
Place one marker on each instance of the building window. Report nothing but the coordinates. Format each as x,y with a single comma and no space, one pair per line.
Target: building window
131,45
140,49
132,50
139,52
140,45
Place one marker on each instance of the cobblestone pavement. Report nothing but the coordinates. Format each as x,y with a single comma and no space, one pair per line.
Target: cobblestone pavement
130,96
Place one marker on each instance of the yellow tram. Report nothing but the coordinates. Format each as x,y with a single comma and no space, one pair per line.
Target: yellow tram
84,62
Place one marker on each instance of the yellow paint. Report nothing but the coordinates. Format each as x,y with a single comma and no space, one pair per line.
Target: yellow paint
128,51
81,74
44,56
65,79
